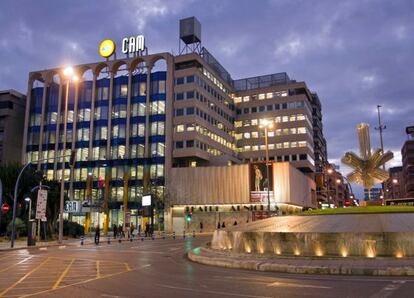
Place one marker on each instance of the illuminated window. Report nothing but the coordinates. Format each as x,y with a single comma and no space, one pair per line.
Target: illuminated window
285,131
238,136
301,130
301,117
255,134
255,122
262,96
180,128
255,148
293,131
246,148
271,146
302,143
142,89
270,134
237,99
123,91
285,118
246,98
278,119
247,135
285,145
293,144
292,118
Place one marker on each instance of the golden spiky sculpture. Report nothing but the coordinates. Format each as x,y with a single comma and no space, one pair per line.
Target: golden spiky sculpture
366,167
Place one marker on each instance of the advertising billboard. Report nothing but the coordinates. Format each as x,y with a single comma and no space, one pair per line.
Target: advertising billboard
260,183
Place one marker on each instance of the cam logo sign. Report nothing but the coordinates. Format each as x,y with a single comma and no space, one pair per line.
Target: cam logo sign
133,44
106,48
130,45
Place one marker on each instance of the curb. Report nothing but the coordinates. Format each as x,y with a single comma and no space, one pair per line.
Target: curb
269,266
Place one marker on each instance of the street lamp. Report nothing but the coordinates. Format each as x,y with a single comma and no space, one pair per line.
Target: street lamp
394,182
69,74
30,208
266,124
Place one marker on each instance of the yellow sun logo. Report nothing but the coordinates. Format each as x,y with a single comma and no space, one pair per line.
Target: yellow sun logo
106,48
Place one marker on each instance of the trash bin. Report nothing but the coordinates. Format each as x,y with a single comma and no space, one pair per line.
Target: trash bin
31,233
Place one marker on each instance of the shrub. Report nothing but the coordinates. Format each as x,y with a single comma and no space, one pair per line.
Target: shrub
72,229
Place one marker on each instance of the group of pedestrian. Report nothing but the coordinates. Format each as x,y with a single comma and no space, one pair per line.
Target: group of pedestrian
223,225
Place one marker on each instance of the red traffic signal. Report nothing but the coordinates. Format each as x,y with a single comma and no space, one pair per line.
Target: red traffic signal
5,208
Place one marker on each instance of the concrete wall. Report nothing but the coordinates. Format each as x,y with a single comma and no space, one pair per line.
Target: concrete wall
209,185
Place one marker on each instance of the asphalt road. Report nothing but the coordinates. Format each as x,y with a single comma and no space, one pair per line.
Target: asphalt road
159,268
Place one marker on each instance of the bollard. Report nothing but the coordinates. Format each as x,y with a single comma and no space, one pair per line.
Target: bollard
142,238
119,240
108,238
131,238
174,235
193,234
153,236
163,234
184,234
82,239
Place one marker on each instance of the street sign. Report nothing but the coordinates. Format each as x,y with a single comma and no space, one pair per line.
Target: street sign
5,208
41,203
72,206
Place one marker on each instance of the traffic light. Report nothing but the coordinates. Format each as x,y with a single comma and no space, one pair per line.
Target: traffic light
188,217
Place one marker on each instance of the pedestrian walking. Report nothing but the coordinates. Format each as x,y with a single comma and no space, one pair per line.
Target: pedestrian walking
201,226
121,231
147,229
132,229
223,225
97,235
235,223
115,228
218,225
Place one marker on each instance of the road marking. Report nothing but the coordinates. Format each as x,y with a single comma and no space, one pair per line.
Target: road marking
127,266
286,284
211,292
42,248
28,258
98,272
389,289
63,275
74,284
23,278
62,246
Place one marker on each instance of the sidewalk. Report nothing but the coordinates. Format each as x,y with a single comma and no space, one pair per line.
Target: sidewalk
21,243
333,266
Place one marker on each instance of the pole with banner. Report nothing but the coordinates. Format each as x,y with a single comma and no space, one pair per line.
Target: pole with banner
41,207
89,199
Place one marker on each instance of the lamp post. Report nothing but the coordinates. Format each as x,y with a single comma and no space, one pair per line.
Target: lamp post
394,183
266,124
29,200
69,74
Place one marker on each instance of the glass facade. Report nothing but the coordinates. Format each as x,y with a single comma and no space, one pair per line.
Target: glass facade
108,130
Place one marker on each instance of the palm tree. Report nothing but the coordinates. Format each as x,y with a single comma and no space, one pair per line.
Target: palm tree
367,171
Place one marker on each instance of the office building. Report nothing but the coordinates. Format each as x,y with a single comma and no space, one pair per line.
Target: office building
132,121
12,106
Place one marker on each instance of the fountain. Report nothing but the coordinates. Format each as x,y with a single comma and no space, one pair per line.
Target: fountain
345,235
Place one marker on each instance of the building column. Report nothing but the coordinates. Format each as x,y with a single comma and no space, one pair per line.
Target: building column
91,126
74,138
109,132
26,120
147,151
128,119
59,111
42,120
